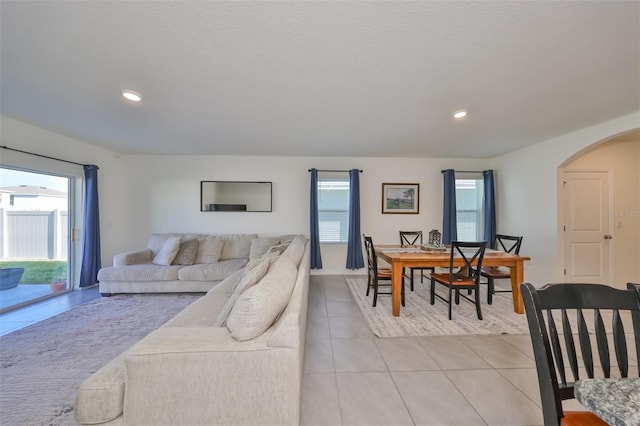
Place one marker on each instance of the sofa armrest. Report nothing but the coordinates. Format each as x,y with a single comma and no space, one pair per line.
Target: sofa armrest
198,376
134,257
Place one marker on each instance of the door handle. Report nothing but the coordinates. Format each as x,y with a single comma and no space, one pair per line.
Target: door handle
608,237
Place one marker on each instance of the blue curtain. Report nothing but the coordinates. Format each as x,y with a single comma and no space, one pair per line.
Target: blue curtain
314,227
489,208
91,262
449,220
354,247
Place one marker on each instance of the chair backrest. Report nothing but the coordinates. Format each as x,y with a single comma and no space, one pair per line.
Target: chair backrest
567,334
410,237
508,243
372,263
472,254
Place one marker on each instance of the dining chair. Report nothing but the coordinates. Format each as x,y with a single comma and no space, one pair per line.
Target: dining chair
411,238
508,244
375,274
573,316
465,276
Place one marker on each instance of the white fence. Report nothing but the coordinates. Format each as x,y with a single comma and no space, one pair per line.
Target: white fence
33,234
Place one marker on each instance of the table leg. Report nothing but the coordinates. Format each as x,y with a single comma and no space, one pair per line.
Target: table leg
396,288
517,278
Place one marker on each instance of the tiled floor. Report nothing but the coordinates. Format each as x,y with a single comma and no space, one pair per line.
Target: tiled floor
22,317
352,377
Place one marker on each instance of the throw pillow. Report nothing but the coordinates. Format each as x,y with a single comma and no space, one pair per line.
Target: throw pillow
249,279
168,251
260,246
209,250
257,308
187,253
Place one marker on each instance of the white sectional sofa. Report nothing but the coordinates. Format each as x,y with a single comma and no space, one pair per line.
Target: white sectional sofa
232,357
181,263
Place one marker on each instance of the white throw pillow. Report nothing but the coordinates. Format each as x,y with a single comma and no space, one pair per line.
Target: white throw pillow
253,273
168,251
257,308
209,250
187,253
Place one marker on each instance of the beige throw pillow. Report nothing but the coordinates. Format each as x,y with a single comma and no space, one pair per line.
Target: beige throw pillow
260,246
168,251
257,308
252,275
209,250
187,253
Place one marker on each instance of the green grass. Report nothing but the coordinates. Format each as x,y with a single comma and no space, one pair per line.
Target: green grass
39,271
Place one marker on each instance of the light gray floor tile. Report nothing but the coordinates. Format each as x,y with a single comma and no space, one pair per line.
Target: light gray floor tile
433,400
525,379
318,356
320,404
450,353
371,399
351,355
497,352
343,309
318,327
405,354
521,342
495,398
349,328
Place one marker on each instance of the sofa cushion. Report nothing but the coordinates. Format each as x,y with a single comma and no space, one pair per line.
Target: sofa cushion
209,250
211,271
260,246
252,274
257,308
187,253
168,251
145,272
236,246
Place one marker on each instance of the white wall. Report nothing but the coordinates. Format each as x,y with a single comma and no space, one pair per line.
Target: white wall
164,192
528,193
143,194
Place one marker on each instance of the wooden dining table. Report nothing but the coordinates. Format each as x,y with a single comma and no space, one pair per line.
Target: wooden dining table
400,257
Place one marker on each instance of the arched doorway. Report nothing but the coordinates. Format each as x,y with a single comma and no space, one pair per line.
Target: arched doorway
599,212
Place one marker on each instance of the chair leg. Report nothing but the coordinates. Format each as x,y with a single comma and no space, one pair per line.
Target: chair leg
368,285
402,292
450,290
478,308
411,273
490,290
457,297
375,292
433,291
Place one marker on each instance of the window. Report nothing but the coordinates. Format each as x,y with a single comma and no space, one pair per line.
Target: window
333,209
469,208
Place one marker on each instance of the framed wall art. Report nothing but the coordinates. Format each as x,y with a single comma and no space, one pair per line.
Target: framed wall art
401,198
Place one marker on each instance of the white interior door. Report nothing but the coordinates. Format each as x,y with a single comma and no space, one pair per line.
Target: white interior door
587,231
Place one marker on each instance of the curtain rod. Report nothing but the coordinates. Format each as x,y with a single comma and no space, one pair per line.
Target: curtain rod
43,156
344,171
464,171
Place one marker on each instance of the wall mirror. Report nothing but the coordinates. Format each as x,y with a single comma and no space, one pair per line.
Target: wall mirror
220,196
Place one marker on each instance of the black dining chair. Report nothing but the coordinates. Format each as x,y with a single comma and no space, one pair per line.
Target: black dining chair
563,319
465,276
412,238
508,244
377,276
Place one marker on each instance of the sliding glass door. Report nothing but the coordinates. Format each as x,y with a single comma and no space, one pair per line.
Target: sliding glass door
35,236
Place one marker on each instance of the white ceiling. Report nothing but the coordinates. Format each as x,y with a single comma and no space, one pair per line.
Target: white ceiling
319,78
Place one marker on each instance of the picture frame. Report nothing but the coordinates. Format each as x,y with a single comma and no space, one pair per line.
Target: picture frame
400,198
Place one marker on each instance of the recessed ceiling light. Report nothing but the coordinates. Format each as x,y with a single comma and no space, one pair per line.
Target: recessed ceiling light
460,114
132,96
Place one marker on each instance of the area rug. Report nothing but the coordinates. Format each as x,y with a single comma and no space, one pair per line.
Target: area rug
42,366
420,318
